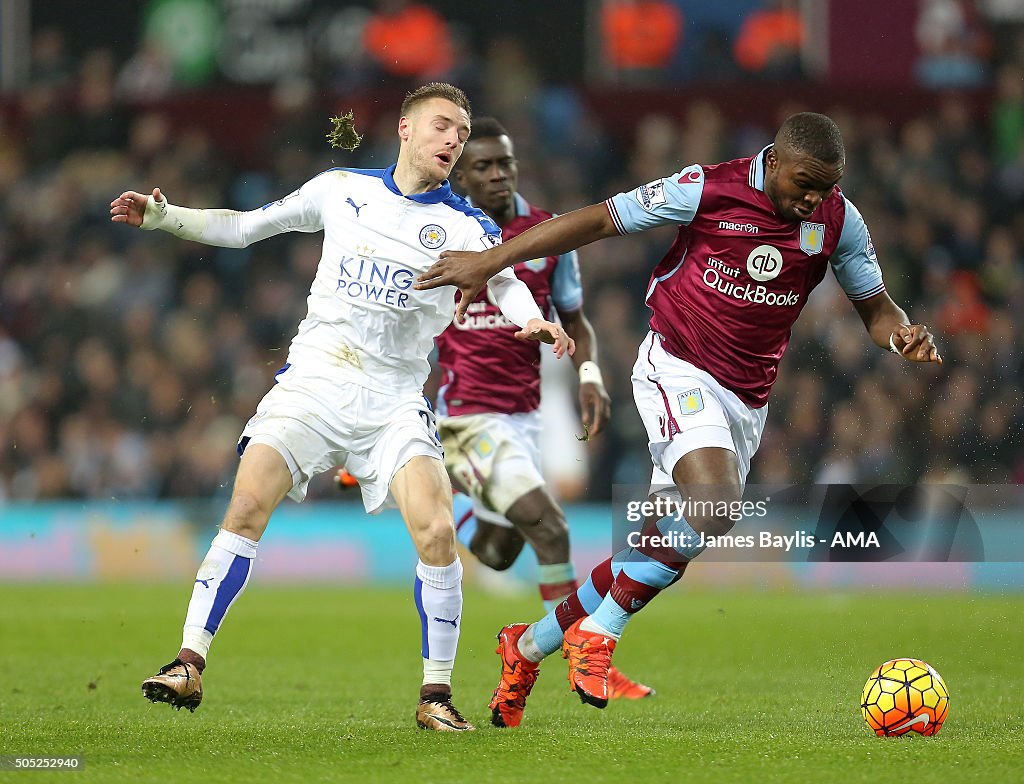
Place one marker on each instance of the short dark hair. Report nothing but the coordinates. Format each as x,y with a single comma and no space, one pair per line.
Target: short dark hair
812,134
487,128
436,90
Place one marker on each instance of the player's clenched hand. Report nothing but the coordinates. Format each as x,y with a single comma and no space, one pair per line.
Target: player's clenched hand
460,268
916,343
596,407
130,207
548,332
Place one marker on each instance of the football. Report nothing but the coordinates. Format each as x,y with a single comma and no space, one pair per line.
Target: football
905,695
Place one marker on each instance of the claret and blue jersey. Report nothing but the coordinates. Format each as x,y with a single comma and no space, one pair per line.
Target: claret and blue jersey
486,369
737,276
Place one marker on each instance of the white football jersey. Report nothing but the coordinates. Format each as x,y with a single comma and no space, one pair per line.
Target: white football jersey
366,324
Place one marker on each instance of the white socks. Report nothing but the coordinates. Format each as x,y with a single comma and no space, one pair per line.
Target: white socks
222,577
527,645
438,594
590,625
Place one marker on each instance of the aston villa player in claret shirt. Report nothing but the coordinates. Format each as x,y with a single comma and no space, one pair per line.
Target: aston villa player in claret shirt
755,236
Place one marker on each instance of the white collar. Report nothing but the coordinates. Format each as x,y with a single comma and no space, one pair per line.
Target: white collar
756,177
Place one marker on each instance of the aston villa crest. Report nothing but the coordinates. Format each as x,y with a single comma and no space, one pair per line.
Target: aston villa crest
812,237
537,265
691,402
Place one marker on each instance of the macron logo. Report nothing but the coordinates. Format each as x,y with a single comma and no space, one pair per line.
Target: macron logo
749,228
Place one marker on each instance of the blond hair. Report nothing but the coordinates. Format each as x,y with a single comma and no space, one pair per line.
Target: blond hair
436,90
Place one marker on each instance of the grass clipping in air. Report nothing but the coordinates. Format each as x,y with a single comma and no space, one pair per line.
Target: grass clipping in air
343,135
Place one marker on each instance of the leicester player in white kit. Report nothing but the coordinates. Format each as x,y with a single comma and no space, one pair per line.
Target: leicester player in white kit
755,236
350,392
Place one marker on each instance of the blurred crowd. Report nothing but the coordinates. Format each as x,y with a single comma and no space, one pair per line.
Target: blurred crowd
129,360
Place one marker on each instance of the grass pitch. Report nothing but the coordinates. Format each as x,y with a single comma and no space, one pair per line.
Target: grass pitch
316,684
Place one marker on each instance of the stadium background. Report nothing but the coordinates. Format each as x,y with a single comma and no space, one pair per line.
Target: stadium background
130,361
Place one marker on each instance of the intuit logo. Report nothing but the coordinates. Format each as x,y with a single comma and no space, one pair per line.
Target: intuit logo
759,294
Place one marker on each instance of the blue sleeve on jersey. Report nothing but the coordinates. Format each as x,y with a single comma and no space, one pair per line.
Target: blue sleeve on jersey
854,262
566,287
670,200
491,232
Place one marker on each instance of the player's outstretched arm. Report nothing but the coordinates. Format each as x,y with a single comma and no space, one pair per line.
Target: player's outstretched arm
153,211
470,271
223,228
890,328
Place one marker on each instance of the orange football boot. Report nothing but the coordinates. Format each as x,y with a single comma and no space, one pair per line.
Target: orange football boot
518,674
621,687
344,480
590,658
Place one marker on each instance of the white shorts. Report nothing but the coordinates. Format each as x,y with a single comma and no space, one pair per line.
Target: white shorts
494,457
684,408
316,424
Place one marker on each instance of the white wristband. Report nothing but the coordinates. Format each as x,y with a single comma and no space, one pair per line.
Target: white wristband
155,214
892,344
590,373
183,222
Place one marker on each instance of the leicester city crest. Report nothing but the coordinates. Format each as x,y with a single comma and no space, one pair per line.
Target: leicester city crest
691,402
432,236
812,237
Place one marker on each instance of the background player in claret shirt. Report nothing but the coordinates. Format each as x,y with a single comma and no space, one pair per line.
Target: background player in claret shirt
351,392
756,235
490,392
488,400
